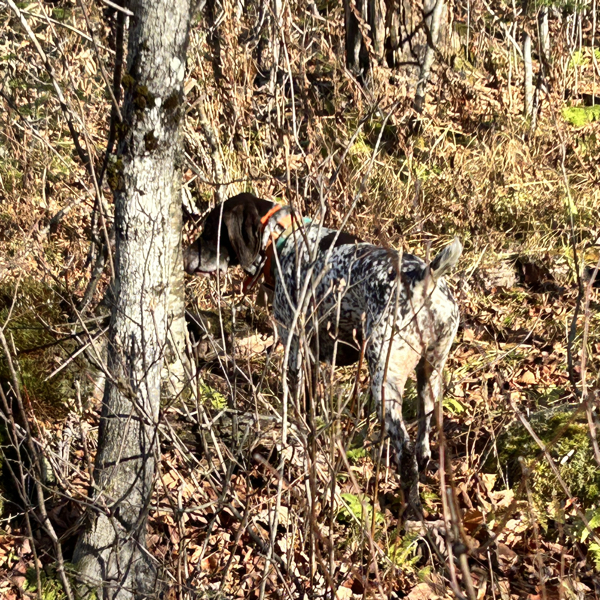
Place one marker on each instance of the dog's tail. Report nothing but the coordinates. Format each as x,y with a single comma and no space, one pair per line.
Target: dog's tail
446,260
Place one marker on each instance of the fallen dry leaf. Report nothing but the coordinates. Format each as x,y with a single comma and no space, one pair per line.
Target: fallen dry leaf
422,591
528,378
472,520
468,334
502,498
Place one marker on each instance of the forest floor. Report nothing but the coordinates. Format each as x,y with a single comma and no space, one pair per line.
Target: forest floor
249,504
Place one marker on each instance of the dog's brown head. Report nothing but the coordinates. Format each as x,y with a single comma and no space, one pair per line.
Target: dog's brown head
231,236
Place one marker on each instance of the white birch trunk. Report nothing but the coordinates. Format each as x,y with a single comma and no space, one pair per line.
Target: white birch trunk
528,79
111,555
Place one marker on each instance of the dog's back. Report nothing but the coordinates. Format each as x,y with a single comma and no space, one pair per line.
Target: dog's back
355,287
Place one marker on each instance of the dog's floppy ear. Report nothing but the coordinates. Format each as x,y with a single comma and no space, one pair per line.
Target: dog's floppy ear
243,227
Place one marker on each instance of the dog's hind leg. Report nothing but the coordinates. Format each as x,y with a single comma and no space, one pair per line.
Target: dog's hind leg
429,387
388,378
429,380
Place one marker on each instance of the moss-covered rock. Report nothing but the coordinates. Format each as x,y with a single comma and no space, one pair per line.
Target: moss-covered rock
564,431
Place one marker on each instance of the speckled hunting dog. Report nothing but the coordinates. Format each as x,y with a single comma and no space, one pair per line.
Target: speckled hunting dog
401,320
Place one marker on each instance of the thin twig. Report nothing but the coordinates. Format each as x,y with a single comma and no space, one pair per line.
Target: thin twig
68,113
119,8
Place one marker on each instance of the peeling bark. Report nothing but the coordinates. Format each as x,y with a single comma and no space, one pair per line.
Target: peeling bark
111,555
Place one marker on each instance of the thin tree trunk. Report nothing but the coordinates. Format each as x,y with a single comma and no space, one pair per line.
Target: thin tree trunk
111,555
433,26
544,53
214,39
276,23
528,80
392,19
403,24
377,23
544,31
357,57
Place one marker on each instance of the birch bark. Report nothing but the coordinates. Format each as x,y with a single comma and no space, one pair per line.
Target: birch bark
111,555
528,76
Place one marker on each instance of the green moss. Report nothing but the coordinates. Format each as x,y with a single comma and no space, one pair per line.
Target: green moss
171,108
210,396
360,148
29,328
578,116
572,453
143,99
61,14
121,129
172,102
150,141
52,588
18,84
127,81
114,174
